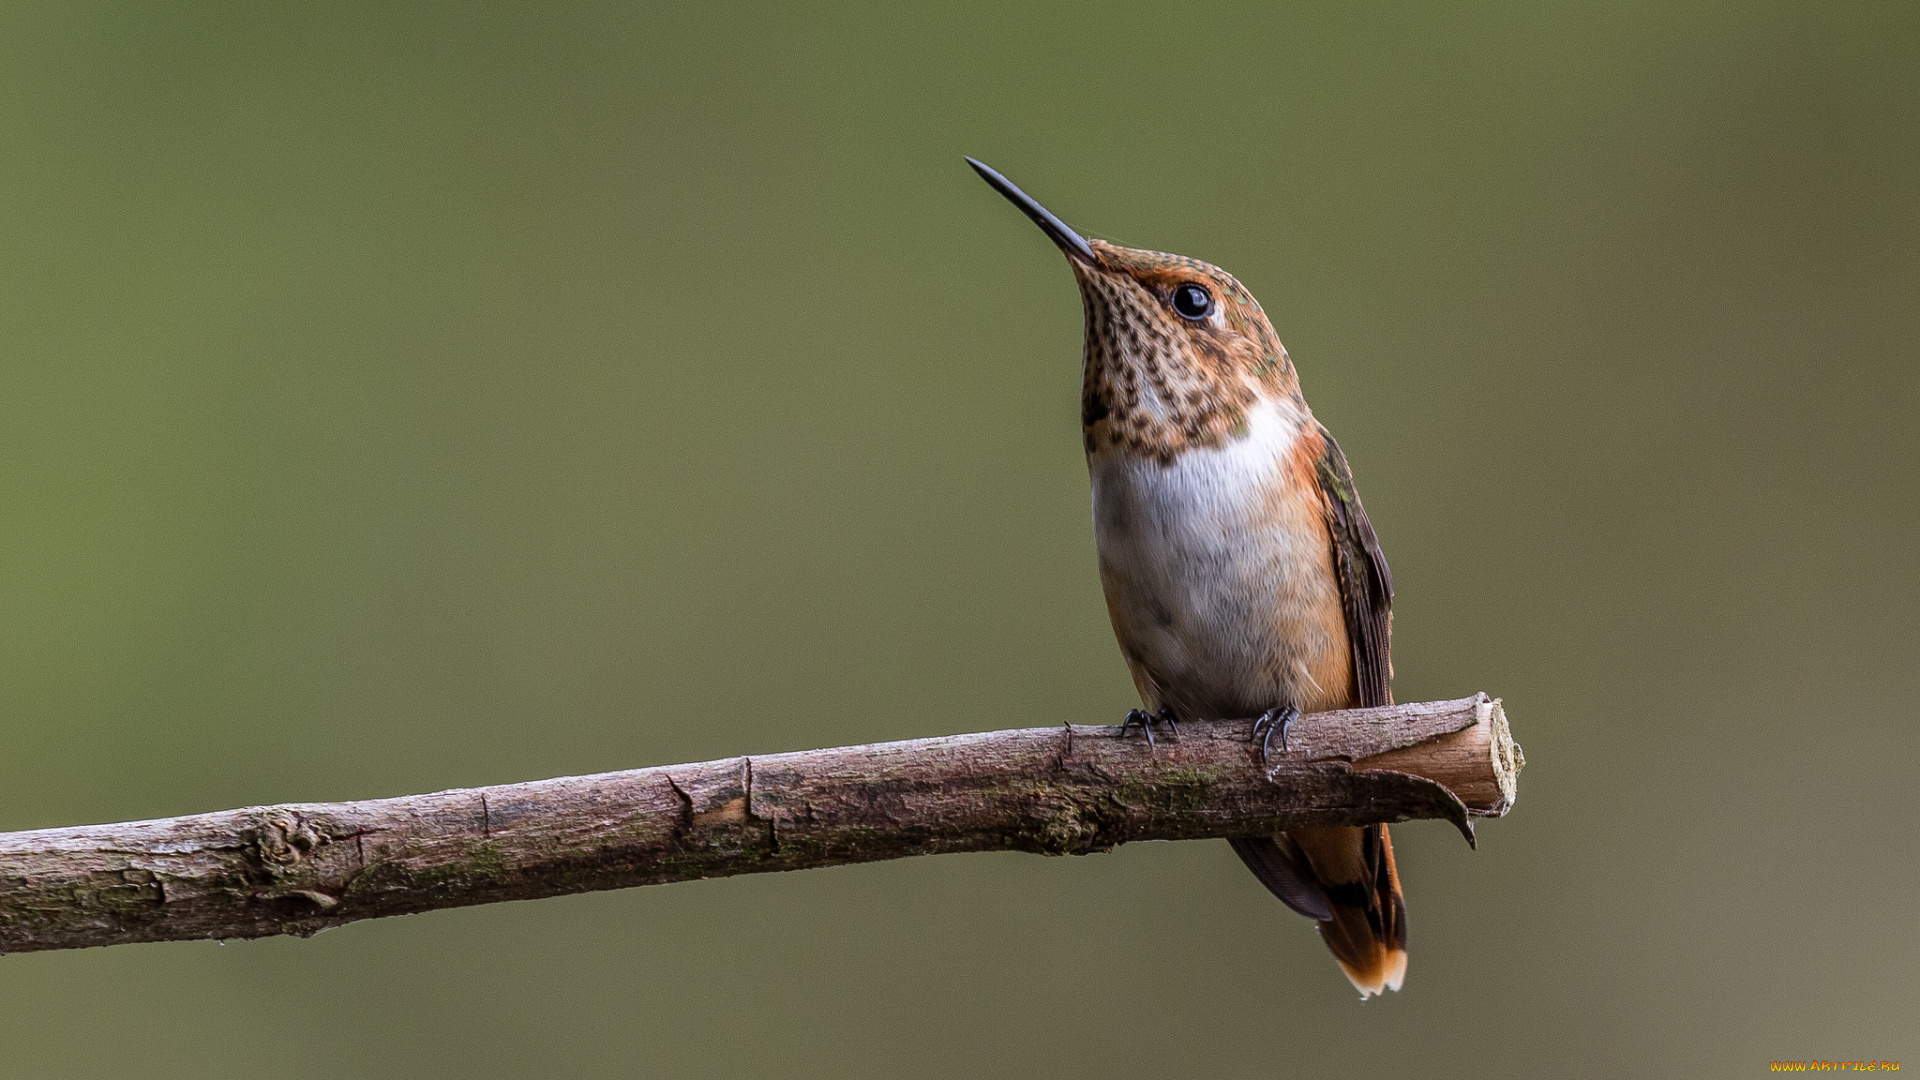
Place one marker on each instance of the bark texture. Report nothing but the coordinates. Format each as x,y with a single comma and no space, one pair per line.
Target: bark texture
299,869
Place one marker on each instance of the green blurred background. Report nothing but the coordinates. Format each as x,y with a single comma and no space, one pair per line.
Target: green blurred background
405,398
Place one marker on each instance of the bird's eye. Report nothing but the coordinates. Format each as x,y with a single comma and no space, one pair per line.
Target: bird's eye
1192,301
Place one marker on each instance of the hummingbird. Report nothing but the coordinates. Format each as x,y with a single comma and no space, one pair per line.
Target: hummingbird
1241,574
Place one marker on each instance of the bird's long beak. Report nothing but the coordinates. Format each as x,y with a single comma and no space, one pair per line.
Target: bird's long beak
1070,242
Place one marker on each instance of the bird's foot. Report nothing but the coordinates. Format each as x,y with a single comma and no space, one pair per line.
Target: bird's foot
1273,720
1145,720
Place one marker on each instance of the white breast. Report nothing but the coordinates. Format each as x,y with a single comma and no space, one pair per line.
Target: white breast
1218,584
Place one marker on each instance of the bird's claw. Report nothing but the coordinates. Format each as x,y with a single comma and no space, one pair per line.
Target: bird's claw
1145,720
1271,721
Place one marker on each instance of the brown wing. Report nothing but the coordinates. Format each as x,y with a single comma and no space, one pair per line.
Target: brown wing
1281,866
1366,585
1354,867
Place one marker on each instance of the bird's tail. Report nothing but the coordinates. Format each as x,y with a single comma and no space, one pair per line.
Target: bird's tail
1343,878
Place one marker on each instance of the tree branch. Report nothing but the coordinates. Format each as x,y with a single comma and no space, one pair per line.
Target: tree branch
299,869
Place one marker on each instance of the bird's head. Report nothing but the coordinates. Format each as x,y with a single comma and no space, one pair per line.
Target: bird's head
1177,351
